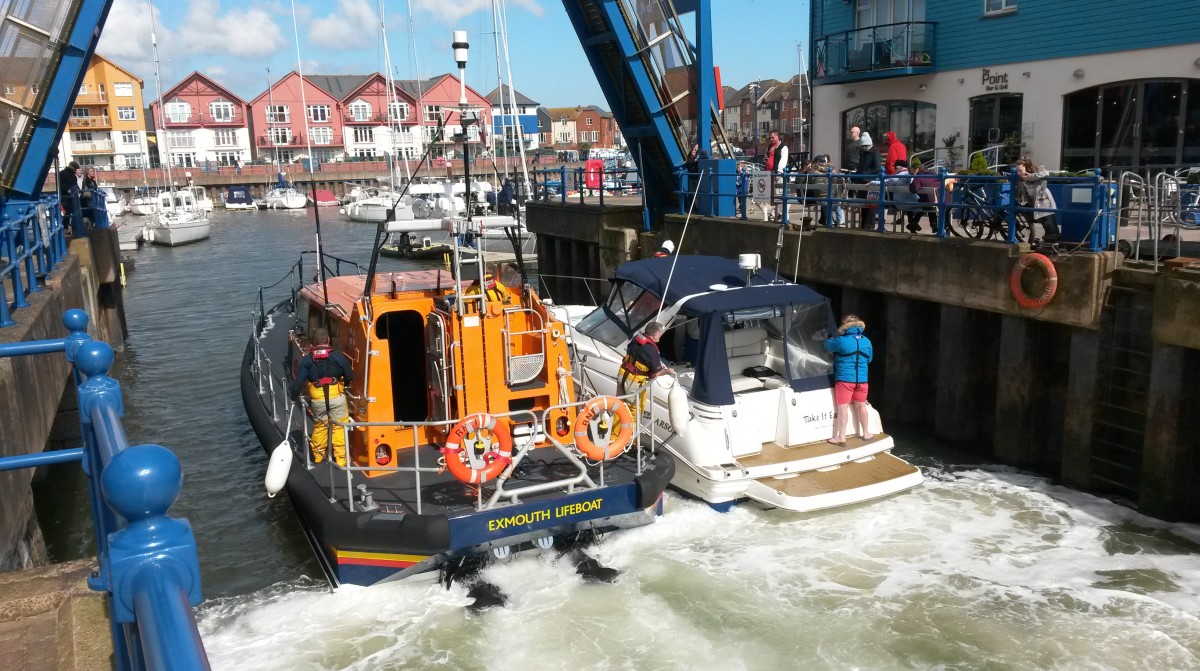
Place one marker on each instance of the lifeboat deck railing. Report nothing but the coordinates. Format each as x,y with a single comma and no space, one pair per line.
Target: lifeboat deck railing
147,560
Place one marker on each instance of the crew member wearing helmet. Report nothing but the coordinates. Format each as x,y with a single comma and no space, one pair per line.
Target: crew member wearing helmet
324,374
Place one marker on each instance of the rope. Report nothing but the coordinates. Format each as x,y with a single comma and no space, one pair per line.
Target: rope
679,246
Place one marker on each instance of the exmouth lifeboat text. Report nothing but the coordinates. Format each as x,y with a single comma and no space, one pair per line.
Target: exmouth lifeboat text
535,516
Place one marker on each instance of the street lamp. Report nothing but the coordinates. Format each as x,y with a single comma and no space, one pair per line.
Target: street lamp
754,94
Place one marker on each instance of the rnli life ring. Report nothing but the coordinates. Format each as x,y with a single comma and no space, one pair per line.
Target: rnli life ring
1014,281
473,467
618,436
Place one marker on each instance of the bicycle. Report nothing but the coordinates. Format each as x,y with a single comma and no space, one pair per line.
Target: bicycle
981,219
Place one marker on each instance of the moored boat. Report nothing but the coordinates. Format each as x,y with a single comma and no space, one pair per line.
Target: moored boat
238,198
178,221
747,348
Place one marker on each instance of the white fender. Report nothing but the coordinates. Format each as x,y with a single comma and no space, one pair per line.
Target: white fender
677,408
278,468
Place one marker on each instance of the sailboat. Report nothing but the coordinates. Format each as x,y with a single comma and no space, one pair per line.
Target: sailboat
282,195
467,441
177,219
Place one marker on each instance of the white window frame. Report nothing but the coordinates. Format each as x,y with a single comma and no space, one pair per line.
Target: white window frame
397,111
220,110
123,89
173,111
1005,7
131,137
433,113
321,135
278,114
364,135
127,113
226,137
318,113
279,136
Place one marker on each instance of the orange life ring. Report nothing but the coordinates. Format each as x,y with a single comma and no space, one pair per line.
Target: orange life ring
619,436
473,468
1014,281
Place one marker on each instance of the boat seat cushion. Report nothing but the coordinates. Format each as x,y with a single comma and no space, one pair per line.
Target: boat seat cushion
745,342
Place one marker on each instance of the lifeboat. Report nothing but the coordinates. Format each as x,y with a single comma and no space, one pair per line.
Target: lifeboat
464,435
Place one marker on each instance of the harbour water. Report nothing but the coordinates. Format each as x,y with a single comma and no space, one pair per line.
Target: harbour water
981,568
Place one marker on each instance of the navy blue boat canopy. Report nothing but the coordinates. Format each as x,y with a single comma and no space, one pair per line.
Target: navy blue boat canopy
803,312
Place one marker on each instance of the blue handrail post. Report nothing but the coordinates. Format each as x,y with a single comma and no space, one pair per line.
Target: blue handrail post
562,183
602,184
76,323
580,184
1010,208
682,191
941,203
153,560
743,191
783,188
881,215
9,246
1100,204
829,197
29,240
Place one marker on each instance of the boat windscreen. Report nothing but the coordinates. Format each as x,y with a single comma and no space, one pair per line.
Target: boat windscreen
629,307
805,340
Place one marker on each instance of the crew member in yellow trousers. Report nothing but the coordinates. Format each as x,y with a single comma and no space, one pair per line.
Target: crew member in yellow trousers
641,363
324,375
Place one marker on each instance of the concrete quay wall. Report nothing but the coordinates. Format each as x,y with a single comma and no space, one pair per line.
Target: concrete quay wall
37,400
1096,390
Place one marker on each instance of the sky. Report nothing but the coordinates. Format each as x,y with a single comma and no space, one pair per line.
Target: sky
236,41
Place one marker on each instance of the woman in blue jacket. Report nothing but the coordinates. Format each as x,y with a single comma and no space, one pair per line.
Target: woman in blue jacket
852,352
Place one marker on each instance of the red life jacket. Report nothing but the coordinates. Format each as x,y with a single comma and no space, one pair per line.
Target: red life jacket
321,353
630,363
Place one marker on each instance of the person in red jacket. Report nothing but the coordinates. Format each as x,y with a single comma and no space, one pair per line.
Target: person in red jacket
896,151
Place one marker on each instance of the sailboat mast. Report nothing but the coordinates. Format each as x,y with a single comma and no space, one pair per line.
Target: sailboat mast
513,96
500,89
270,116
162,114
390,97
308,144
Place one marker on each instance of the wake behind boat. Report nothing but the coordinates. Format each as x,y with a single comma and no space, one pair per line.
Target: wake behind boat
747,347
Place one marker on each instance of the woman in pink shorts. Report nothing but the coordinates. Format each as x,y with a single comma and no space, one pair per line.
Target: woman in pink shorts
852,352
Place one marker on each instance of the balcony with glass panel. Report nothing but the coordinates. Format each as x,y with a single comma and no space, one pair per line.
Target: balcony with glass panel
877,52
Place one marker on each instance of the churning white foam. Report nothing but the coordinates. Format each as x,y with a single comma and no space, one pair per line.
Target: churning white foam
976,569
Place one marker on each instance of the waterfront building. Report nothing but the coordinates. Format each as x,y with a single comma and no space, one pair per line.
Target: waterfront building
507,126
280,118
1074,85
201,122
596,128
107,127
545,128
375,123
562,127
437,98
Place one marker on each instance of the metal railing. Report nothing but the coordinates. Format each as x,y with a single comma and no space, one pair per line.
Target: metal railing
895,47
32,244
148,564
559,183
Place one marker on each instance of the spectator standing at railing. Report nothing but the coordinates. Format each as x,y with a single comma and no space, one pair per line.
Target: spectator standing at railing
777,161
68,178
855,136
896,151
922,182
743,188
1032,191
868,164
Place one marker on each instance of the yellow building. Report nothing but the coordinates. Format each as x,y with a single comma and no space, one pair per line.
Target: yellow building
107,127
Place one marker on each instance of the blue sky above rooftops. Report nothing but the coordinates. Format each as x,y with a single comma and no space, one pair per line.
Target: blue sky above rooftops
235,41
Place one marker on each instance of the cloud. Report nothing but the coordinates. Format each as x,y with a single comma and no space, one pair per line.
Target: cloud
346,28
215,71
205,29
126,34
449,12
251,32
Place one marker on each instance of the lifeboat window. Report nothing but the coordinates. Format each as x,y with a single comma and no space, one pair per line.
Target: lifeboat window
404,333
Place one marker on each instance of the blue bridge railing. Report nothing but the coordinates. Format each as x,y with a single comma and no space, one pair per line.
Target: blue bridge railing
147,560
33,241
